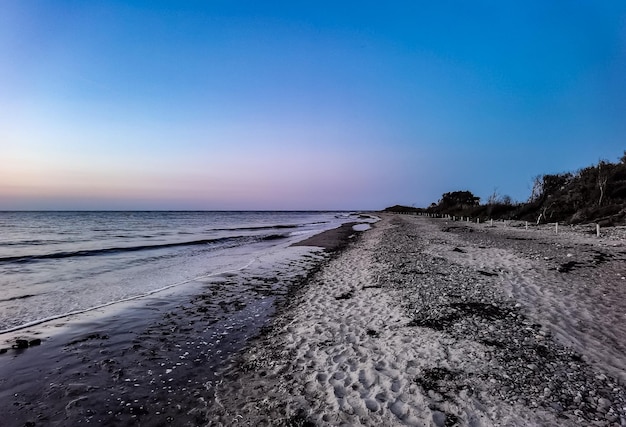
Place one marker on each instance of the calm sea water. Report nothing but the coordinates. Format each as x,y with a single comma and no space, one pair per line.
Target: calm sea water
55,263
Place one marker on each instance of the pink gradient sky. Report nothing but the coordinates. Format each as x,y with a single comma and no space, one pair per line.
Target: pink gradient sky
282,105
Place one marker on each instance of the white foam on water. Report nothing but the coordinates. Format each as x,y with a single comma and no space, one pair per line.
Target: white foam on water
49,290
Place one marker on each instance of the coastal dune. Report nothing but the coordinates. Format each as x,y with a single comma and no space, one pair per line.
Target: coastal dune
428,322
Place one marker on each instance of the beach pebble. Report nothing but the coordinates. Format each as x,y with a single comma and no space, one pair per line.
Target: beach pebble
556,406
603,405
20,344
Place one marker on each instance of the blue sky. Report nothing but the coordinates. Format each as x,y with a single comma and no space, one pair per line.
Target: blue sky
302,105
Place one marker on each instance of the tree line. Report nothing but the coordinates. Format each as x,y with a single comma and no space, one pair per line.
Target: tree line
595,193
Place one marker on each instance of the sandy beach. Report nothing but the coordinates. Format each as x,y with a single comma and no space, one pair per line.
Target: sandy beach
417,321
431,323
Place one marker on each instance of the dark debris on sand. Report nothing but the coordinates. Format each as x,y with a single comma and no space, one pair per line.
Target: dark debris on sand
527,366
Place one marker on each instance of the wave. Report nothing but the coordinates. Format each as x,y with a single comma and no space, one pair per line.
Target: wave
18,297
257,228
115,250
37,242
274,236
110,303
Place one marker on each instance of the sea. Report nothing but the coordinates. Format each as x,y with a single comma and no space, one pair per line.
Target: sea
56,264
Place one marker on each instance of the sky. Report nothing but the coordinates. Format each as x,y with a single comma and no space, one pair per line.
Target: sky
302,105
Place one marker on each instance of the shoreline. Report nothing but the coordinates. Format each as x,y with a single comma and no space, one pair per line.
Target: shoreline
415,322
331,240
153,361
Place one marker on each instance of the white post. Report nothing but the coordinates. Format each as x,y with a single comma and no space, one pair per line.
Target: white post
526,225
491,222
598,230
556,228
477,220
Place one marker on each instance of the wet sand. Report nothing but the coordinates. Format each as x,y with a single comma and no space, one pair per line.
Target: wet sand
331,240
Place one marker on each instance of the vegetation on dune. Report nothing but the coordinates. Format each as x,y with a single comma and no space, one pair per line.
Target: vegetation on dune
592,194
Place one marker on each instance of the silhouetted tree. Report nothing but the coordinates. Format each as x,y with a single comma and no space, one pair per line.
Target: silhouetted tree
493,197
603,177
460,199
506,200
594,193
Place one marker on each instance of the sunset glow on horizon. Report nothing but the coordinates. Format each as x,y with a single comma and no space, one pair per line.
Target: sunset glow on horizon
232,105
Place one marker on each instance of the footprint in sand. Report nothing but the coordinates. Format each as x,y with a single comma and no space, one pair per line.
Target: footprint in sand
372,405
367,378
